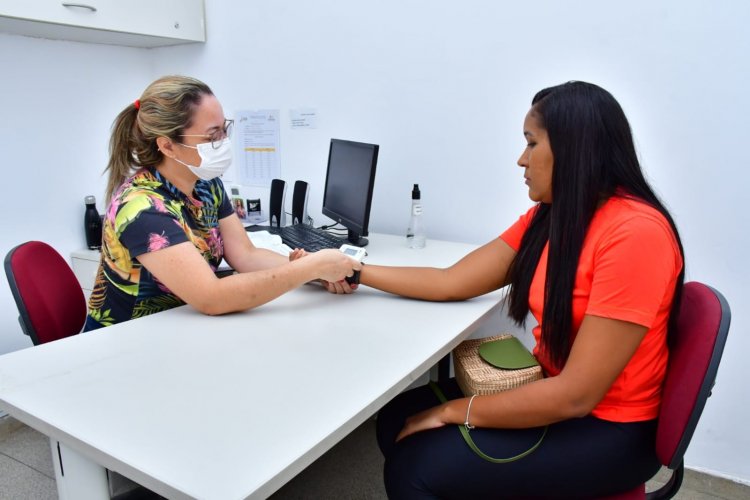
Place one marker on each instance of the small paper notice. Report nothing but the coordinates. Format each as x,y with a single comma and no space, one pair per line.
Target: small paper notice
302,118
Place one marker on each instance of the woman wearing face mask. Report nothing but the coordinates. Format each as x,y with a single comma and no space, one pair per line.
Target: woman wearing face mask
169,222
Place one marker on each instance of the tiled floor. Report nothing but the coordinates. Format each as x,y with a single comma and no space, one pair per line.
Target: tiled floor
352,469
25,463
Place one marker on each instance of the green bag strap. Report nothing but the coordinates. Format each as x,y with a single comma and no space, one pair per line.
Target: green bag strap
474,447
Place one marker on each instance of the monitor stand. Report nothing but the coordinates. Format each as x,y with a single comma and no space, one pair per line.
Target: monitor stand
357,240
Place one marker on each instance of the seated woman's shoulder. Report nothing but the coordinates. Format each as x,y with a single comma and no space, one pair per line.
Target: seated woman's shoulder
623,207
625,216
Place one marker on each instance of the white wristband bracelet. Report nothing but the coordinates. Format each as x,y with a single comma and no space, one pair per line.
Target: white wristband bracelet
468,410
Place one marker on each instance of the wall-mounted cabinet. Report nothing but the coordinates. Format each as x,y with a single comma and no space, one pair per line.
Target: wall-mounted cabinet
136,23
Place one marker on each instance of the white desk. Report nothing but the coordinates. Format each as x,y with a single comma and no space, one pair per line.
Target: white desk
234,406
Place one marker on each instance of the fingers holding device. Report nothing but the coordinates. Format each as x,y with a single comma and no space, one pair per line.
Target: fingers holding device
356,253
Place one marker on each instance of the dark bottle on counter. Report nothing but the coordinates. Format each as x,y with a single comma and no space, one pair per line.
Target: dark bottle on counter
92,224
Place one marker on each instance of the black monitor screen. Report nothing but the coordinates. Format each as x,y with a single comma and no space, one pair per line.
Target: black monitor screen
349,182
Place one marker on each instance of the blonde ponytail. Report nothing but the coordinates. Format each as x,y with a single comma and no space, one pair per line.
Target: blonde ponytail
120,158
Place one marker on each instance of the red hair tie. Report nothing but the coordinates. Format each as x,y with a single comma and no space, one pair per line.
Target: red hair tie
137,104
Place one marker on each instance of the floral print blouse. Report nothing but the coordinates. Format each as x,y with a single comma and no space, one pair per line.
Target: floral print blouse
148,213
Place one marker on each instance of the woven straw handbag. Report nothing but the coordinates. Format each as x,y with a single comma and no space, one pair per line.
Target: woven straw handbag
493,364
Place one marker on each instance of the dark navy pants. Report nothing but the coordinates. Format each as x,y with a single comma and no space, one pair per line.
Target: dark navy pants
578,458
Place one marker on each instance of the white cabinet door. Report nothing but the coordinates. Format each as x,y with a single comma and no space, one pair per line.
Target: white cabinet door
85,264
141,23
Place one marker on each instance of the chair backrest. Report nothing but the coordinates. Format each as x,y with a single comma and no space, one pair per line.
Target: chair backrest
695,351
49,298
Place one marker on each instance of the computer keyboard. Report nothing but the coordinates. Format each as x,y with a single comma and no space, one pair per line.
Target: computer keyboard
304,236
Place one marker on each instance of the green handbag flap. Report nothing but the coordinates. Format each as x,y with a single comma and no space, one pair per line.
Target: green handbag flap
508,354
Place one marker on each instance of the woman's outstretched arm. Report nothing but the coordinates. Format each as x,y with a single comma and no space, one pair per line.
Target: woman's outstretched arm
482,271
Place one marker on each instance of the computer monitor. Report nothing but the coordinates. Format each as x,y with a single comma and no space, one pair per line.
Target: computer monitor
349,182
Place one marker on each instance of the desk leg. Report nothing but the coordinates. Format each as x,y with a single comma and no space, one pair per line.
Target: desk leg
442,371
444,368
78,478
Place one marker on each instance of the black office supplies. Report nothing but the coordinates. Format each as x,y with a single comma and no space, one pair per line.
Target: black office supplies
299,203
276,215
347,198
350,179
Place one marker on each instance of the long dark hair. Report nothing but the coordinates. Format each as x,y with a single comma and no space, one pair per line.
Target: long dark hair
594,156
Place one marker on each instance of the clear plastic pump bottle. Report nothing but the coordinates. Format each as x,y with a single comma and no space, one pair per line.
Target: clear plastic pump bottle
415,234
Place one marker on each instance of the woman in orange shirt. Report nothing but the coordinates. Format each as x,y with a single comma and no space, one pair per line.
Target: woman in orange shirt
598,263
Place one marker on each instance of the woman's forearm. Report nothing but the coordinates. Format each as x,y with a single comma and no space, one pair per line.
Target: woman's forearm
256,260
532,405
479,272
183,271
426,283
247,290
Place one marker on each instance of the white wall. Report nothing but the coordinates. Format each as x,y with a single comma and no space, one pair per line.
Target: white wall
57,101
443,88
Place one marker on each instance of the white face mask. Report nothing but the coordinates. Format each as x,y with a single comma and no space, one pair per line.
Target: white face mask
214,162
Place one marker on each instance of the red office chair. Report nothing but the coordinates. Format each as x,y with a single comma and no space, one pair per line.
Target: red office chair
52,306
50,301
694,353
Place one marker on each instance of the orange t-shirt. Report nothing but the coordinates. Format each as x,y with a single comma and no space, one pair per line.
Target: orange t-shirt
627,271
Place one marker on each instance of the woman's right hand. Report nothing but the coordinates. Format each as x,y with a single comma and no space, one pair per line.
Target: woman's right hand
333,266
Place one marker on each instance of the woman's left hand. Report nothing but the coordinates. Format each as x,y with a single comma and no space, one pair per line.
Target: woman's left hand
297,253
428,419
339,287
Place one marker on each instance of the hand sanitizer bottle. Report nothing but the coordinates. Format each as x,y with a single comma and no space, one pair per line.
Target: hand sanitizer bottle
415,234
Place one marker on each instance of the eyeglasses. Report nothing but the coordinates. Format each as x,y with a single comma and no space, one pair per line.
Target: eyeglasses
217,137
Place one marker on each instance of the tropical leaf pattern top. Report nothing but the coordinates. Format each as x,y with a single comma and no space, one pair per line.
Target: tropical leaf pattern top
148,213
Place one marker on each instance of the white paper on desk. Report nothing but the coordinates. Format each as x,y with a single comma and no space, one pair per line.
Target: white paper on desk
264,239
257,148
